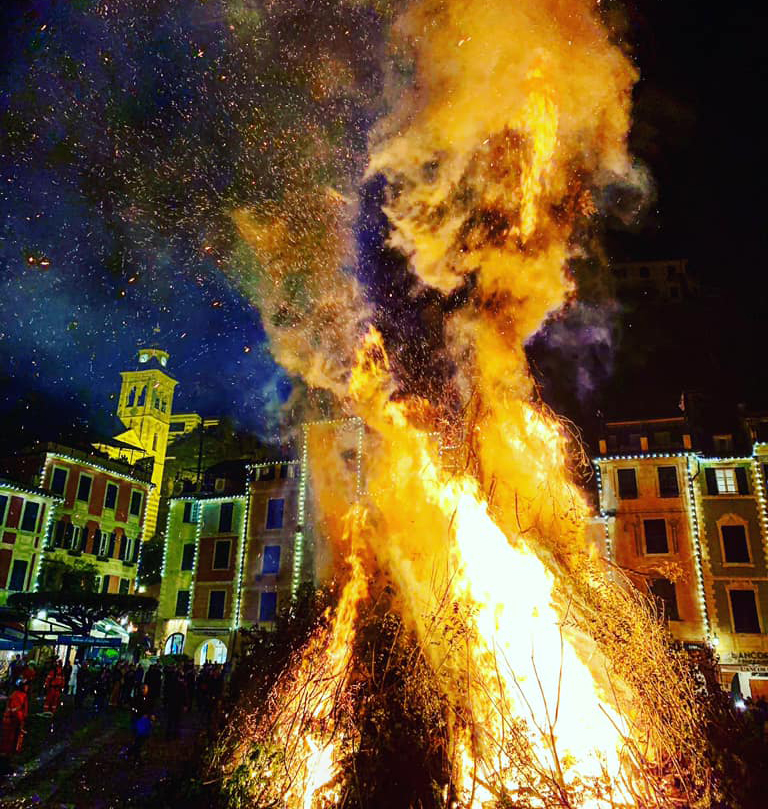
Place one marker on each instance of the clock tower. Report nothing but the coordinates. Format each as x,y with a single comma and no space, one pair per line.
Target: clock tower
144,407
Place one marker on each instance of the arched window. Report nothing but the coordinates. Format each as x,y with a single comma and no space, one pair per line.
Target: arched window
174,644
142,397
131,397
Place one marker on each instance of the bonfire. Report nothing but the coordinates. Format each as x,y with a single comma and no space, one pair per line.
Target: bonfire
476,628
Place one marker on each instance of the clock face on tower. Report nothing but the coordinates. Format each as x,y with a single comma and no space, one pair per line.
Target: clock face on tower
143,357
163,361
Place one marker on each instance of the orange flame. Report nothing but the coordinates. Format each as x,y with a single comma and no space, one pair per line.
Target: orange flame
515,110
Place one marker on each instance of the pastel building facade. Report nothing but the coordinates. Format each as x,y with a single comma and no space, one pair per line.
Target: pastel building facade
690,528
101,517
236,557
25,519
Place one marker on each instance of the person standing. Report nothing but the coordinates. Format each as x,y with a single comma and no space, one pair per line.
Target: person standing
14,720
54,685
73,679
175,701
141,720
154,679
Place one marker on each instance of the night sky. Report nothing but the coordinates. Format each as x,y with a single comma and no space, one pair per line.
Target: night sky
127,133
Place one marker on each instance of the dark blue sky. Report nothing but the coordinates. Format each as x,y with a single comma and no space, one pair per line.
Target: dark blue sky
130,129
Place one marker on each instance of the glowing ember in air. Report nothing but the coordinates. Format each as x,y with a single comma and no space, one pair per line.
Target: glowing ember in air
556,686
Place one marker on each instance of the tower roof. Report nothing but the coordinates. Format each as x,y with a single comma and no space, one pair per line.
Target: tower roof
153,358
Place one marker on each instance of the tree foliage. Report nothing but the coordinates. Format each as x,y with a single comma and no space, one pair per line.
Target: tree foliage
81,611
71,577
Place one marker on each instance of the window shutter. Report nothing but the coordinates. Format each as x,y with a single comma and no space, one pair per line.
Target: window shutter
711,481
111,551
136,546
741,480
121,552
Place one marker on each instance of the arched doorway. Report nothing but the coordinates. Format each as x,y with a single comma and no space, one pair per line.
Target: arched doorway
174,645
212,651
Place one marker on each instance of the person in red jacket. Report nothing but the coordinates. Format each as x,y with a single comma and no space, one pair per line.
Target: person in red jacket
54,685
14,719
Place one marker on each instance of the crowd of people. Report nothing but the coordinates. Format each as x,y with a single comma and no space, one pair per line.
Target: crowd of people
148,691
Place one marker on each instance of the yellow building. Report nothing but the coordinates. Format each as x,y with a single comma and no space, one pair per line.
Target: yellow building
144,407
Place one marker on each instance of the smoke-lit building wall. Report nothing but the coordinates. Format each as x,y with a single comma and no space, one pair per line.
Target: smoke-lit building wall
237,557
690,527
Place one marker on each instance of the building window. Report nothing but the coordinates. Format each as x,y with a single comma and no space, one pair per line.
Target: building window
110,496
154,443
84,488
663,592
744,609
101,542
190,515
105,584
124,585
69,535
175,643
271,564
18,574
225,517
216,601
58,480
268,607
627,484
221,554
668,482
3,507
58,534
188,556
723,444
275,508
135,507
735,545
182,604
127,548
29,518
655,536
131,398
267,473
727,480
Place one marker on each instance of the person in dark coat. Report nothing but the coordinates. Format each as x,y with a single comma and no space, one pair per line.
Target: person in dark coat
154,680
141,720
175,701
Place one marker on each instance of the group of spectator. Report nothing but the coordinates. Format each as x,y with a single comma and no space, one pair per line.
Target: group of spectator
173,688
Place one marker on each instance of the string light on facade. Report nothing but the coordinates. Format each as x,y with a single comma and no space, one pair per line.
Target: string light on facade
695,533
241,564
298,540
603,513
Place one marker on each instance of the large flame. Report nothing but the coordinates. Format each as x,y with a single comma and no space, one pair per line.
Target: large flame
558,683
